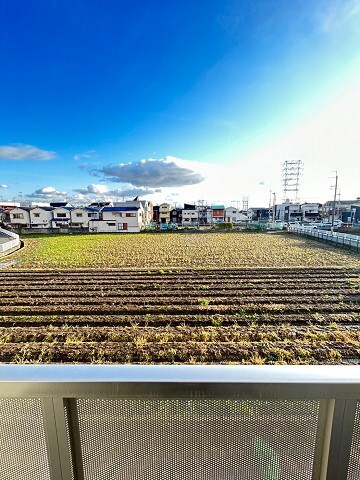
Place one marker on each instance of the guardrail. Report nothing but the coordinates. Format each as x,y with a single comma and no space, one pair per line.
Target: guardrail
340,239
64,422
4,247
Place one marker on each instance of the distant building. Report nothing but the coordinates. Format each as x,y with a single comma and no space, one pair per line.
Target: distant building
164,213
61,217
258,213
40,217
20,217
233,215
176,216
217,213
311,212
190,215
288,212
121,219
341,206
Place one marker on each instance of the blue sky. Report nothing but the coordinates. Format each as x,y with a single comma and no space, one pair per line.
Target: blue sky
177,100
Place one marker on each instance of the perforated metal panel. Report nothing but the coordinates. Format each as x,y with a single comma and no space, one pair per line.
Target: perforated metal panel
66,415
197,439
23,453
354,464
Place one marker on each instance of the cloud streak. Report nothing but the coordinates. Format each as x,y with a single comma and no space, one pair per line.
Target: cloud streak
127,191
4,186
151,173
24,152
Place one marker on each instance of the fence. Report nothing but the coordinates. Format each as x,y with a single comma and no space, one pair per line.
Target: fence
339,239
179,422
4,247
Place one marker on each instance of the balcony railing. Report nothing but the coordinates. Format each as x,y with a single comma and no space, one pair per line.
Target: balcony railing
179,422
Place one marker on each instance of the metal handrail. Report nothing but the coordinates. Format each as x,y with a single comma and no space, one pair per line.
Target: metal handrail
336,388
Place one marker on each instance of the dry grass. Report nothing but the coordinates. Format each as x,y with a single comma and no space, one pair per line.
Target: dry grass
175,251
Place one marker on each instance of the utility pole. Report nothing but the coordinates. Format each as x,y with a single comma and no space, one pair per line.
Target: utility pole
334,204
274,206
270,207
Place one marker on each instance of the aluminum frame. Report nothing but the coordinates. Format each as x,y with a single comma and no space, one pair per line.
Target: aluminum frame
58,386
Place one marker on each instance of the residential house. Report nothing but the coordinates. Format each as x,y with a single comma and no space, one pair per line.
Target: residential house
20,217
118,219
190,215
61,217
5,208
311,212
80,216
217,213
176,216
341,206
233,215
260,214
41,217
164,213
289,212
146,208
352,215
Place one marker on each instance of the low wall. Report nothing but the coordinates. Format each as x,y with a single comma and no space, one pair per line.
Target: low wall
12,243
338,239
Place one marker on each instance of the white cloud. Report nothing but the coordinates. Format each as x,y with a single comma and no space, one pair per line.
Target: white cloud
93,188
24,152
3,186
47,192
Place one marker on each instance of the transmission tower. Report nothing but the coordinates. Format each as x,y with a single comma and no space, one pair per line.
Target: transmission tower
245,202
291,173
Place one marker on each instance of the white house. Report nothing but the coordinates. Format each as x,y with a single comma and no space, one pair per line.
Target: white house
118,219
40,217
190,216
311,211
233,215
61,217
289,212
80,216
146,208
20,217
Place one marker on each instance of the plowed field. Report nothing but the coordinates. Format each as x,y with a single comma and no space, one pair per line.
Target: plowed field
271,315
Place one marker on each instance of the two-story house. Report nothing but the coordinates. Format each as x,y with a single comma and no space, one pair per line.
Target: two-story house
217,213
118,219
61,217
41,217
164,213
190,215
20,217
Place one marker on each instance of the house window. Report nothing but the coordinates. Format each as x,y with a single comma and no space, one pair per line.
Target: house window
122,226
111,224
131,214
18,215
79,215
61,215
117,214
36,215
